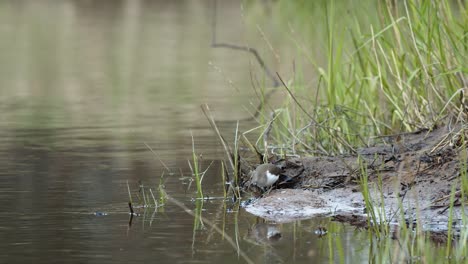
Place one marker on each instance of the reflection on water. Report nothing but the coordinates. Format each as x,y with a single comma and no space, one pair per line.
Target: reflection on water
84,84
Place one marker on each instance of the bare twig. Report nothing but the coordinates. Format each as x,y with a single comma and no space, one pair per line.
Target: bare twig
294,98
266,134
157,156
227,149
216,44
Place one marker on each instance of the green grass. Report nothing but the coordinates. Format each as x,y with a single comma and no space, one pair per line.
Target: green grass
377,69
196,171
363,69
376,220
148,197
407,242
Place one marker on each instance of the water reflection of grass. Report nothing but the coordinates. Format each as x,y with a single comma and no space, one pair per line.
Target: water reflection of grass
408,239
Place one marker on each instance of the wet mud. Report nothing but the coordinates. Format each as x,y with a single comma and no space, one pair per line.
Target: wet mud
410,174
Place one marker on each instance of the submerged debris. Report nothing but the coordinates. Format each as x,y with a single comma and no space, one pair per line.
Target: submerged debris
98,213
321,231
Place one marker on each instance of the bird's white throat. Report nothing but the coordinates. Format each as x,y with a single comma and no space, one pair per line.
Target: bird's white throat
271,178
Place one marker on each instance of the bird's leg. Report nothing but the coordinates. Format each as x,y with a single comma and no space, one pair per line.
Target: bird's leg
267,192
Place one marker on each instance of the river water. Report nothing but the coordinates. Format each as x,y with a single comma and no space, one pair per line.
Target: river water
84,86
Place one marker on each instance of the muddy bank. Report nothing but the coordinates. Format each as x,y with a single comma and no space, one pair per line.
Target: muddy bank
417,169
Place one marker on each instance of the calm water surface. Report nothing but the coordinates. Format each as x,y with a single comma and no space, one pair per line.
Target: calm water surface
83,86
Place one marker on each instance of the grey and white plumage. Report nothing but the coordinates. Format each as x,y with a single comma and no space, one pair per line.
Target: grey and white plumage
265,175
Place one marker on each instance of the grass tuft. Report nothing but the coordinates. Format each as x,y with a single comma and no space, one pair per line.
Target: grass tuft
377,67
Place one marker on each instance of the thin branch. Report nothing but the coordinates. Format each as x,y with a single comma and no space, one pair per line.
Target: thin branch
227,149
294,98
157,157
216,44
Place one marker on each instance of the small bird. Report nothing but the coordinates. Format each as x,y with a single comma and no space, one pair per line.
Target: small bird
265,175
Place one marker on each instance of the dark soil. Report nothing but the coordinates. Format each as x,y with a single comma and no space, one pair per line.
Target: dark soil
419,169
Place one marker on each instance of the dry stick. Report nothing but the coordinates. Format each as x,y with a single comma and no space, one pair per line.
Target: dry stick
154,199
252,148
254,52
294,98
266,135
313,120
142,188
315,111
157,156
443,198
318,145
227,149
206,110
263,99
129,193
212,225
204,172
260,61
311,117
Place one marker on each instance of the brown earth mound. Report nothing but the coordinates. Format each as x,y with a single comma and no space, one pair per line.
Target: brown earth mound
416,174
